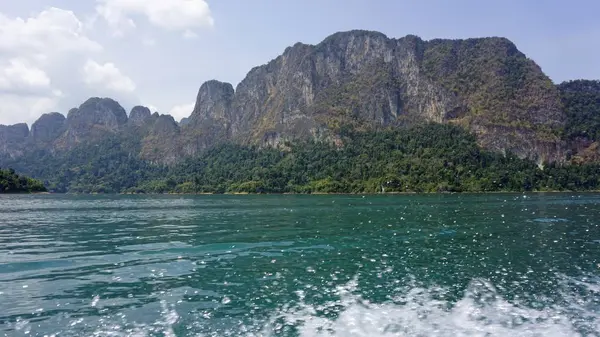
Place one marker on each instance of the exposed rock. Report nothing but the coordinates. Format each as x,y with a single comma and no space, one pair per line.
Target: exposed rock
581,101
139,115
161,144
99,111
504,97
211,119
213,102
48,128
587,154
14,133
366,80
12,139
165,125
93,119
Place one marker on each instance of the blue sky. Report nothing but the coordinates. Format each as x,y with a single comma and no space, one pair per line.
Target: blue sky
158,53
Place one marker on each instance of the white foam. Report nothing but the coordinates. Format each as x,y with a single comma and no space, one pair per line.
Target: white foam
412,310
481,312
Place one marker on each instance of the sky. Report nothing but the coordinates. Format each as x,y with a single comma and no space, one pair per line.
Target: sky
54,54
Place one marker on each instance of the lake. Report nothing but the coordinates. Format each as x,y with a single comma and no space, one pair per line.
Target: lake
287,265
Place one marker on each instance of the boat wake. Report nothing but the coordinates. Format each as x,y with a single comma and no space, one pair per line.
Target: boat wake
420,312
412,311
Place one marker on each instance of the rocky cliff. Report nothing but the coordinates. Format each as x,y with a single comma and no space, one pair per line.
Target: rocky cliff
366,80
581,101
12,139
357,79
212,117
161,143
48,128
139,115
92,120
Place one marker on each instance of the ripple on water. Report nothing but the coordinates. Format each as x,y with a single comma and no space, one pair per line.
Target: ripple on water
485,265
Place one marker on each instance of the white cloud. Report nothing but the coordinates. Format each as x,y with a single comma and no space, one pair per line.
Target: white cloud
148,42
36,54
152,108
107,76
18,108
52,31
188,35
183,110
20,76
180,15
116,20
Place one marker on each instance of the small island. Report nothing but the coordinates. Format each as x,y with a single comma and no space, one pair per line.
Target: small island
11,182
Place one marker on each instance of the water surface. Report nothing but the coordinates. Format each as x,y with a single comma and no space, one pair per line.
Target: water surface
402,265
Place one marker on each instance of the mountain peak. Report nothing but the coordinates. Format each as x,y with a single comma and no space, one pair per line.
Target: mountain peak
12,137
364,80
48,127
103,111
213,102
139,114
93,119
354,33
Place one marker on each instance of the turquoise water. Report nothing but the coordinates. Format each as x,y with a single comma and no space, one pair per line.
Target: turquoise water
402,265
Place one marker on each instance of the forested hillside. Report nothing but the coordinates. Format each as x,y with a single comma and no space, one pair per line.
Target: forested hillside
11,182
581,102
423,158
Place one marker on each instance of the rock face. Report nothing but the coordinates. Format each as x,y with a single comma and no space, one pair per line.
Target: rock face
92,120
13,138
161,144
356,79
52,132
366,80
48,128
213,103
581,101
101,112
504,97
139,115
212,118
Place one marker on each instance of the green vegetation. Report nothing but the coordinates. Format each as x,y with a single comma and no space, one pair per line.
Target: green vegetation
581,101
10,182
110,165
422,158
500,86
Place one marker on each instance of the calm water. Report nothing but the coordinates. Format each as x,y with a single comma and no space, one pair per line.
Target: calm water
438,265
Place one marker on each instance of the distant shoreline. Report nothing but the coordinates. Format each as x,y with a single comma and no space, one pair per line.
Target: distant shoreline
336,193
291,193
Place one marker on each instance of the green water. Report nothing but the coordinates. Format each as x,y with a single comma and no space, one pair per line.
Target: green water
403,265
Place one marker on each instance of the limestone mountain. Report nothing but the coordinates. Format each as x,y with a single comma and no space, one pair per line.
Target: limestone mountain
139,115
92,120
12,138
581,100
161,143
211,119
355,80
48,128
366,80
